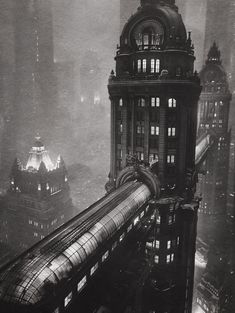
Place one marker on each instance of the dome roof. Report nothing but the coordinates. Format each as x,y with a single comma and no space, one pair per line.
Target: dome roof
162,18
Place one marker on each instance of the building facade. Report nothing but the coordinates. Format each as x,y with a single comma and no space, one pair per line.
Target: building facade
38,199
213,118
154,93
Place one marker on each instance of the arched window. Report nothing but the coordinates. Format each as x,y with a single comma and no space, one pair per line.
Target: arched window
171,103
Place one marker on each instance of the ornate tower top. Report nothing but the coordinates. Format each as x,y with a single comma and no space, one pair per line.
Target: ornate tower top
38,154
214,55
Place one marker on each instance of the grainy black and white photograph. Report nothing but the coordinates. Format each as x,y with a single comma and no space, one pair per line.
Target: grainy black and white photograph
117,156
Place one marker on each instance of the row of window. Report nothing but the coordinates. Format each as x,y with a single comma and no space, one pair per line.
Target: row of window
154,102
81,284
36,224
154,130
156,244
169,258
152,157
142,65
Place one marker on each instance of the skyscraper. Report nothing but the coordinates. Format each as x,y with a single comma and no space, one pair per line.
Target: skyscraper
214,108
35,91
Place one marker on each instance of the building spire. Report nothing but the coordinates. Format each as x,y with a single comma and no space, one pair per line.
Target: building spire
214,54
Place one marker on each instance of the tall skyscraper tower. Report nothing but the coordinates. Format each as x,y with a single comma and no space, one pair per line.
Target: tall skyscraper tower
35,89
214,108
154,94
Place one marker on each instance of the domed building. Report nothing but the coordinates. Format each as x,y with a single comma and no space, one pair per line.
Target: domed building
154,94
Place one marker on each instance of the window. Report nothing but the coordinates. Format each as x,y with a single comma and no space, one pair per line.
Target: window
170,219
144,65
35,224
153,157
140,129
156,259
142,214
35,234
121,237
157,244
155,101
136,220
152,65
68,299
120,127
171,103
154,130
172,257
158,219
168,244
170,159
168,258
141,102
140,155
114,245
139,66
81,284
94,268
120,102
42,237
105,256
30,222
171,131
129,228
157,66
178,240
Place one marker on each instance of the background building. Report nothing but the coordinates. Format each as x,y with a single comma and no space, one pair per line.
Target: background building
38,199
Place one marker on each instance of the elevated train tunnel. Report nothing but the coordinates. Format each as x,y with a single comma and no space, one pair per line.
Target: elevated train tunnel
51,274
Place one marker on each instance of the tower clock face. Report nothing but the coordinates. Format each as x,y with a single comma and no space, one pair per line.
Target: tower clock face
212,75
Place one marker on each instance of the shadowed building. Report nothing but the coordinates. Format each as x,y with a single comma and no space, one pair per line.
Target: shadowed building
38,199
213,118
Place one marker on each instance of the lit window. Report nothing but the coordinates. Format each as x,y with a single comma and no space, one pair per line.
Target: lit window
121,237
105,256
168,258
35,234
30,222
170,220
170,159
156,259
39,187
81,284
35,224
144,65
154,130
120,128
172,257
157,244
94,268
139,66
171,131
157,66
68,299
141,102
168,244
158,219
129,228
172,103
155,101
178,240
152,65
42,236
136,220
142,214
120,102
